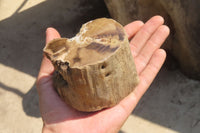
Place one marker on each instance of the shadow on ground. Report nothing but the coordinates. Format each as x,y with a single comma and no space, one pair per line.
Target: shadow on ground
29,102
172,100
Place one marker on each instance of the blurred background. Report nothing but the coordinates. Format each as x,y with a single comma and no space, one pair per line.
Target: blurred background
171,105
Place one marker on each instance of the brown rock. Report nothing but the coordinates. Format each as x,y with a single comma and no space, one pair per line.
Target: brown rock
182,16
94,69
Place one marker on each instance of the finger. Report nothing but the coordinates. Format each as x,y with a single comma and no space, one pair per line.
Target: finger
51,34
47,68
154,43
149,73
132,28
138,42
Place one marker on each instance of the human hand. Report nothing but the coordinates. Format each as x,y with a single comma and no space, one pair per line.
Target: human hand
145,41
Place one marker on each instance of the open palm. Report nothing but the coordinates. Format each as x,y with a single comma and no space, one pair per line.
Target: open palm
145,41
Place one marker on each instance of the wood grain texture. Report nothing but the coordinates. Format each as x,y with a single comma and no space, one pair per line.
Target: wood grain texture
94,69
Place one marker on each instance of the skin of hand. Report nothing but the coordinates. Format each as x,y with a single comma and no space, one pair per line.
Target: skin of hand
145,42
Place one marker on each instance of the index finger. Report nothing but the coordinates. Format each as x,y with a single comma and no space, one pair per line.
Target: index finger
132,28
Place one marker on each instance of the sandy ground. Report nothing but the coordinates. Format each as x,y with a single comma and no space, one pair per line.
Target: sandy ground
171,105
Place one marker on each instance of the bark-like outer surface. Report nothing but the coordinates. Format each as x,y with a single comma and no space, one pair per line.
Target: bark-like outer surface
100,84
183,18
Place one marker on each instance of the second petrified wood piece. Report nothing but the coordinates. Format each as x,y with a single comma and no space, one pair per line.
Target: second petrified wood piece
94,69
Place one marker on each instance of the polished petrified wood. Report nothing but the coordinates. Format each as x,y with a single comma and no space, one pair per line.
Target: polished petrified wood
94,69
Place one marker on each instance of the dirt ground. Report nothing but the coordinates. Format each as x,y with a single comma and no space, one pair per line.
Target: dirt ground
171,105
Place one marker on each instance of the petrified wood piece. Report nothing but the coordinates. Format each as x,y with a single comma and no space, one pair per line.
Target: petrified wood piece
94,69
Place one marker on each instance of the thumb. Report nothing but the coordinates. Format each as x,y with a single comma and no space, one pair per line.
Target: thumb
51,34
46,68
